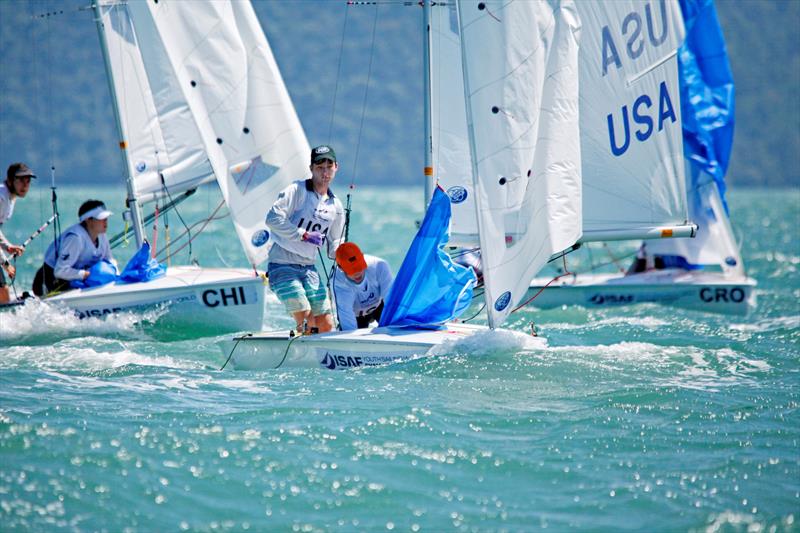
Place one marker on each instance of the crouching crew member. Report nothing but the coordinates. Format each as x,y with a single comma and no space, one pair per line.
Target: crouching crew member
359,286
81,247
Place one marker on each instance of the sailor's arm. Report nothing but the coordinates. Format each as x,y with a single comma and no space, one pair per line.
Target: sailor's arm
385,277
345,297
68,254
7,246
278,216
107,253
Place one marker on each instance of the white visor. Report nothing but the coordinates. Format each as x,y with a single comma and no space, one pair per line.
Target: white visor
100,213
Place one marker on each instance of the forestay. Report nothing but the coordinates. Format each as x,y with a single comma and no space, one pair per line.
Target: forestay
226,73
520,63
630,118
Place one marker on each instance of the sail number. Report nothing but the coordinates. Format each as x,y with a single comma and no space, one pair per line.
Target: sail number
648,113
224,297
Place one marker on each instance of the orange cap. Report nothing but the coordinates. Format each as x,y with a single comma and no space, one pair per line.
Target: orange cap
350,259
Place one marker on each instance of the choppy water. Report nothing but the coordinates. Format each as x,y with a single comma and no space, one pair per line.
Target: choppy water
642,418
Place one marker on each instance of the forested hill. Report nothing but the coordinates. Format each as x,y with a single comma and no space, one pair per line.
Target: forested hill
55,104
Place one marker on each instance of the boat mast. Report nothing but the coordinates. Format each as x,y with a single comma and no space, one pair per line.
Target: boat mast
132,204
427,179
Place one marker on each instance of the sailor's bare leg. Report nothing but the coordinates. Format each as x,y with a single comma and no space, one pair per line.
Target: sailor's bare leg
323,323
302,318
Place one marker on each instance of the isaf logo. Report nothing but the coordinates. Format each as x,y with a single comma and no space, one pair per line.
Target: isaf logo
599,299
332,362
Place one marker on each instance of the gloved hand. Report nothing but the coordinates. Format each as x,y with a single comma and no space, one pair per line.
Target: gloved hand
314,237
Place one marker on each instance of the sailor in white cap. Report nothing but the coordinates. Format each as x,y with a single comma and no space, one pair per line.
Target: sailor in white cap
80,247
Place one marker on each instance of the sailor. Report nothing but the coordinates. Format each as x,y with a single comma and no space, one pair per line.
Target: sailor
359,286
16,185
80,247
305,217
472,259
643,261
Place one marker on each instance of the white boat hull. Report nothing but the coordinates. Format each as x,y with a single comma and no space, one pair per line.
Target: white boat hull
703,291
338,350
212,299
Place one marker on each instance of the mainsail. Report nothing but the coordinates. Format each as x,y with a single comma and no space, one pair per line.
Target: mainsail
629,111
631,143
520,62
200,94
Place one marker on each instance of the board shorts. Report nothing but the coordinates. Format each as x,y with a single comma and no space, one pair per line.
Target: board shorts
299,288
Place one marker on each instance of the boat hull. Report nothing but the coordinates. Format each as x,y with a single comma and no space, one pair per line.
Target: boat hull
702,291
211,299
339,350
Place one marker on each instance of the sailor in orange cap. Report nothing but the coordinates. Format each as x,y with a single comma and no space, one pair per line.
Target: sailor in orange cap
359,286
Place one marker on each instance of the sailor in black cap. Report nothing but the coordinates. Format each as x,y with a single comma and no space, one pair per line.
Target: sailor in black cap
305,217
16,185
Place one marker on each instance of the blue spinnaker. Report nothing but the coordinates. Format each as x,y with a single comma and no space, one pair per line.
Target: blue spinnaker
101,273
707,96
142,267
429,288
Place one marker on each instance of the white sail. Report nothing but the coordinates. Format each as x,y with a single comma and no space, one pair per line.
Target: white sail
227,74
451,155
520,64
158,130
714,245
630,118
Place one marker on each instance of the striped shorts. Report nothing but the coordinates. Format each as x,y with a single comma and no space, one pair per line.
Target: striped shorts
299,288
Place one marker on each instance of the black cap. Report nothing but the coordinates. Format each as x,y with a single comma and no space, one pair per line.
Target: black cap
19,170
321,153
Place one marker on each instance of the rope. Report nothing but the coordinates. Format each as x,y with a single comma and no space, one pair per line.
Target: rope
188,230
476,314
155,233
238,340
532,298
285,353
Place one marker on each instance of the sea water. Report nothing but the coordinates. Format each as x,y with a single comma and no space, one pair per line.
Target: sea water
642,418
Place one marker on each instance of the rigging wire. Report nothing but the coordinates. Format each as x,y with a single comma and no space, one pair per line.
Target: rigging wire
205,222
366,94
188,229
338,73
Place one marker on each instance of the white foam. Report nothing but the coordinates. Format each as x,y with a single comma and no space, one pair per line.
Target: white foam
79,354
489,341
648,322
36,318
676,366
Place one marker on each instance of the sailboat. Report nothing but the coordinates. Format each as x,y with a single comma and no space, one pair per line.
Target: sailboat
510,121
704,273
198,98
